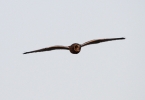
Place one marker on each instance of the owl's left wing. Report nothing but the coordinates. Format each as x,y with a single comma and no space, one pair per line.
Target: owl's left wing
100,40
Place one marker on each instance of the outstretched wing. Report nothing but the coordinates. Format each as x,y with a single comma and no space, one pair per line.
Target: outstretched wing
100,40
49,49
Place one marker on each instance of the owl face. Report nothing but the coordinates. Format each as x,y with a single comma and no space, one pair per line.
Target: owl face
75,48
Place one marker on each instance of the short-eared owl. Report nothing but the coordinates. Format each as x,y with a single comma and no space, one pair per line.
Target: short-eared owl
75,48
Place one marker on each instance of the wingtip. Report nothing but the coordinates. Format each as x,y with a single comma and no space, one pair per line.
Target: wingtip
122,38
25,53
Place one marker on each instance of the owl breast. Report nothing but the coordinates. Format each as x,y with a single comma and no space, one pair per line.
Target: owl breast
75,48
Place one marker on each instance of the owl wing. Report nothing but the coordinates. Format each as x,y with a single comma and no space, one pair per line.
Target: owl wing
49,49
95,41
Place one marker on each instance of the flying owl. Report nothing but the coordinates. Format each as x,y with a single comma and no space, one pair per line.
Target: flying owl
75,48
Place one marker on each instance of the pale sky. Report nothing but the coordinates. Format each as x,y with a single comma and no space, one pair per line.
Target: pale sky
112,70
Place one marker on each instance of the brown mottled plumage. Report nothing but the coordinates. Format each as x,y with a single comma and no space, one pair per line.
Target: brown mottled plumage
75,48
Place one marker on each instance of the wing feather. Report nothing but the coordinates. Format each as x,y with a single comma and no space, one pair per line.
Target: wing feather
95,41
49,49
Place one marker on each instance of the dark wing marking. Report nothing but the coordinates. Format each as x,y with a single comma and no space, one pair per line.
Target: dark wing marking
48,49
100,40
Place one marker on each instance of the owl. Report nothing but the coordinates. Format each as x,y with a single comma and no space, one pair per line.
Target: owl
75,48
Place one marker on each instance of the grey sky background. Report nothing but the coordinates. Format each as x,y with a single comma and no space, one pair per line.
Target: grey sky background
108,71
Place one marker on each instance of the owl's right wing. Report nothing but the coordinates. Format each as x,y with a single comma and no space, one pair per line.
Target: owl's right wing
49,49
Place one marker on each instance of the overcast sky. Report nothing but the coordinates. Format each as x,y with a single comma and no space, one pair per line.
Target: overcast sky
112,70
